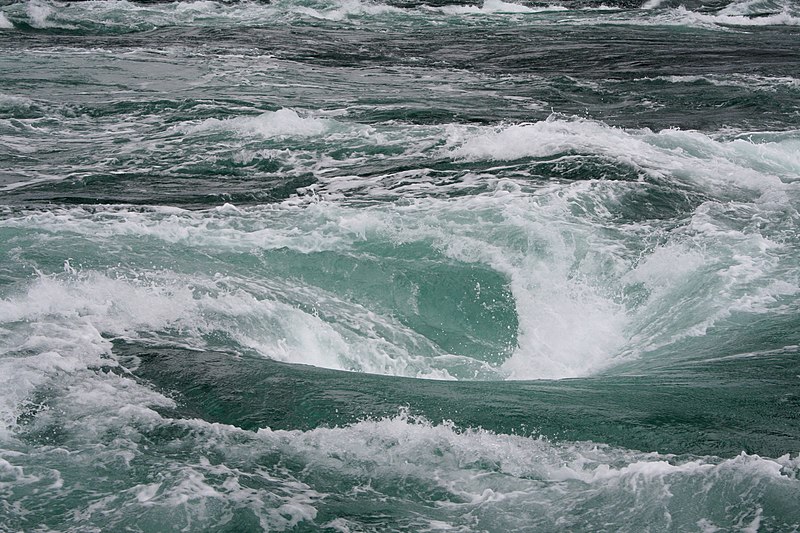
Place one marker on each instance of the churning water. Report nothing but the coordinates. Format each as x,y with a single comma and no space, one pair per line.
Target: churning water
345,265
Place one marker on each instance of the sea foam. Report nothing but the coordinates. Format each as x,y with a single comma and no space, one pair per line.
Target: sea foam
5,24
497,7
284,122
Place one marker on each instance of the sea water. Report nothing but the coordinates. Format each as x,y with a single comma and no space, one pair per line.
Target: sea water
344,265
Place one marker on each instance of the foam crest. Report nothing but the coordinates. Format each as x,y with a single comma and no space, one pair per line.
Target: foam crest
5,24
548,298
732,16
745,81
59,328
587,293
490,7
509,480
685,155
757,7
123,16
398,439
38,12
462,478
568,325
652,4
281,123
14,101
269,227
344,9
286,322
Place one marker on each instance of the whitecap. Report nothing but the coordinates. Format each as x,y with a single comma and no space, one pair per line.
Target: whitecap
281,123
5,24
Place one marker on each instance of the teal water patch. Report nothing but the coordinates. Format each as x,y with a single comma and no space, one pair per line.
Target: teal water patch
465,309
720,407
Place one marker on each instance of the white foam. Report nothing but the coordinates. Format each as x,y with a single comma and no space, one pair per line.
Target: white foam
5,24
504,480
415,444
564,277
568,326
281,123
746,81
683,16
128,15
345,9
38,12
166,307
14,100
549,300
496,7
566,260
511,481
674,153
735,16
757,7
55,330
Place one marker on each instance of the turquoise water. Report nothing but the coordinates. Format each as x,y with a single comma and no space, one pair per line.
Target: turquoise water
317,265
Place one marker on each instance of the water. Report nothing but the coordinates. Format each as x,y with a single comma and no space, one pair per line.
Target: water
339,265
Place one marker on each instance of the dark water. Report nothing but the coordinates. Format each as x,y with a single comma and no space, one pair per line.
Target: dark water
359,266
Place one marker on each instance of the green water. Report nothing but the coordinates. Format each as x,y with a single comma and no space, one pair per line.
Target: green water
359,266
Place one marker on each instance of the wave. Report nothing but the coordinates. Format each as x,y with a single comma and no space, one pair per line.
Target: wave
285,322
759,163
714,165
491,7
744,81
448,477
577,285
283,122
5,24
121,16
682,16
671,235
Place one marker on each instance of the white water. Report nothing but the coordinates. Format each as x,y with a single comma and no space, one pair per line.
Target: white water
118,15
470,479
566,262
5,24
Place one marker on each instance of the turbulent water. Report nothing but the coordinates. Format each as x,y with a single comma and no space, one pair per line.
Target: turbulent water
345,265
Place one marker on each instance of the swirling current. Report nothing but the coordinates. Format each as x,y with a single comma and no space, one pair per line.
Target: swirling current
400,265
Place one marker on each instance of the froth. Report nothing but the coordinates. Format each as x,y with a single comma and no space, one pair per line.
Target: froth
38,12
284,122
496,7
732,17
344,9
5,24
685,155
508,481
748,81
463,478
73,314
568,268
56,328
